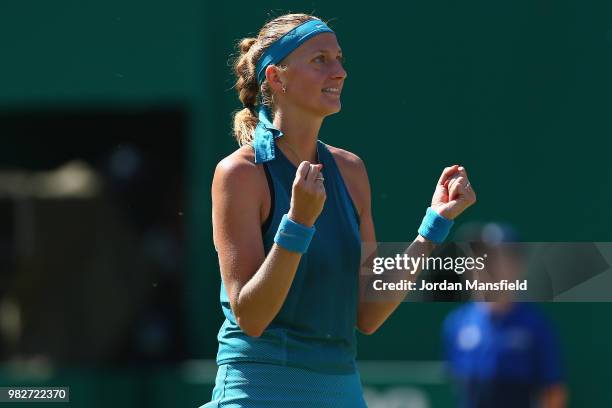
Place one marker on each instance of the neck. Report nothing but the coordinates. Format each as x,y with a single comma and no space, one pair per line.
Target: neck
300,131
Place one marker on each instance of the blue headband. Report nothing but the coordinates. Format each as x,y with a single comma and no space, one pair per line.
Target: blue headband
287,43
265,132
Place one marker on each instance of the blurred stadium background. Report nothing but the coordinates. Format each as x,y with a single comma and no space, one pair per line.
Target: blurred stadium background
113,115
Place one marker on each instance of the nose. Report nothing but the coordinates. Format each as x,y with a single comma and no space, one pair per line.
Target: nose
339,71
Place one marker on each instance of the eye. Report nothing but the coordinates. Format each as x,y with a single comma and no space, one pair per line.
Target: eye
320,58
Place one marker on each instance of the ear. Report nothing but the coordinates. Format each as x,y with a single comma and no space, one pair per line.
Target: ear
274,78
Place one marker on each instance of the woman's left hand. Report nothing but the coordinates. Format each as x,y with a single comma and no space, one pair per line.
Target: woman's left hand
454,193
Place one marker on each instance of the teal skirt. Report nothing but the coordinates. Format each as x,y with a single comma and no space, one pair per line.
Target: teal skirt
258,385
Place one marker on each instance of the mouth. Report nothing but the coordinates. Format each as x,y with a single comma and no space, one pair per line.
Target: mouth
332,91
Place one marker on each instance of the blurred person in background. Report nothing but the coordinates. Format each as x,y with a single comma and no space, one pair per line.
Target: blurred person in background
291,296
500,352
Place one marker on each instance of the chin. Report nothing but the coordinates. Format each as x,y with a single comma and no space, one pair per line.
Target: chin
330,110
324,109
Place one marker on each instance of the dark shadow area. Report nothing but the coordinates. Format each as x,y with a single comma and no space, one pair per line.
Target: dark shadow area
92,236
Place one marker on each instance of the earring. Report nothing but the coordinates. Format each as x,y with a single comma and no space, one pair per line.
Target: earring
284,89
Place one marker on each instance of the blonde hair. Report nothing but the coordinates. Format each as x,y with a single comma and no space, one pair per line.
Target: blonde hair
250,50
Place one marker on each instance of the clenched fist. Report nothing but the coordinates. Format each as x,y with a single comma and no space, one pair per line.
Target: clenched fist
308,194
454,193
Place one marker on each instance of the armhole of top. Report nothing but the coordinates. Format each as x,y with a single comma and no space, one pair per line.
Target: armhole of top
268,221
343,185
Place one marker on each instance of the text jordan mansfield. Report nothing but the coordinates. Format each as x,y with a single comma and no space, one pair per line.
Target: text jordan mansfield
403,285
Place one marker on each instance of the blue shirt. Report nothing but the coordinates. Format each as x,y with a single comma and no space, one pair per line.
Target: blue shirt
500,360
315,327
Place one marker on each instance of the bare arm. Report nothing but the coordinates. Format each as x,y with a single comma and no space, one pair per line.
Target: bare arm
257,285
371,315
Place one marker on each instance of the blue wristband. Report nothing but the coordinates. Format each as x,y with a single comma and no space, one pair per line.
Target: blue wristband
293,236
435,227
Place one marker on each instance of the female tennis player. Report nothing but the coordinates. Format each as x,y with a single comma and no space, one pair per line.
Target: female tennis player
289,215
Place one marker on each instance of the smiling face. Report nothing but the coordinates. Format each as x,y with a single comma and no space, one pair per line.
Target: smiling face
314,76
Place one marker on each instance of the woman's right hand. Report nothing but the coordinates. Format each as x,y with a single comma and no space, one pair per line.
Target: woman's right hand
308,194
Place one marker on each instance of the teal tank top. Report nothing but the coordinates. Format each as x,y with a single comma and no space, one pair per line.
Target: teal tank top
315,327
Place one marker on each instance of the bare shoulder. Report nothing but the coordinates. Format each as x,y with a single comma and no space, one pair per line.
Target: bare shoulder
355,176
240,163
240,186
346,159
239,168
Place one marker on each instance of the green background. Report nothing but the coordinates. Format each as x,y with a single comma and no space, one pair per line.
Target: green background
516,91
